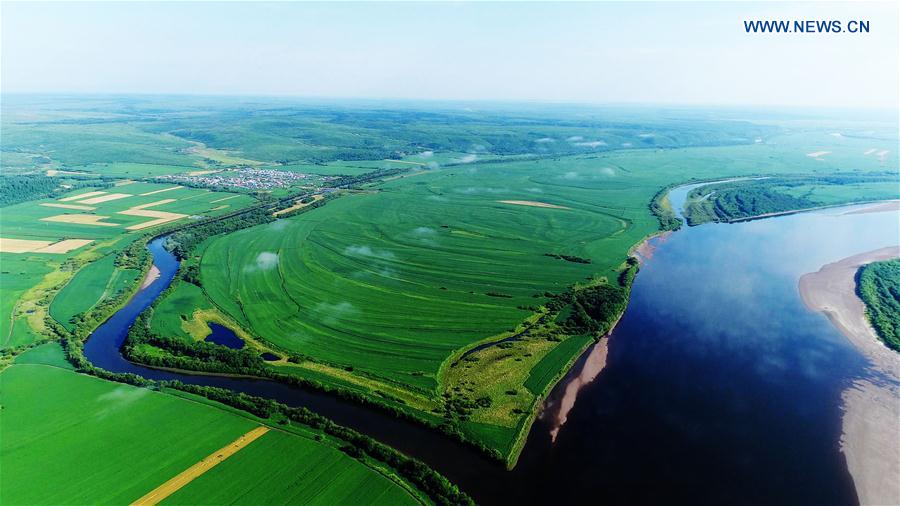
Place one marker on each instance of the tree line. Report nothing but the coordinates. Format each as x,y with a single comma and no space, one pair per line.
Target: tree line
22,188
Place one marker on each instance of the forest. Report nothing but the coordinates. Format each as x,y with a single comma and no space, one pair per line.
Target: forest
879,287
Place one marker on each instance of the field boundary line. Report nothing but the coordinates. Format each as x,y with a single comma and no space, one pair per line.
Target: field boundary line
183,478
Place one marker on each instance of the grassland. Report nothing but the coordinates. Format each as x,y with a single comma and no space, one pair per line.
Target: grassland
54,421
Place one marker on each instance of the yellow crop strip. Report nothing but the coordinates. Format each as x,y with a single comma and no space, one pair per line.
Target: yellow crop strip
168,488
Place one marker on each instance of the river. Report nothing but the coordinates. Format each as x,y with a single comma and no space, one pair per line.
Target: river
719,385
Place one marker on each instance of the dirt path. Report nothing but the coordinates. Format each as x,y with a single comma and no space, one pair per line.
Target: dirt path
871,439
168,488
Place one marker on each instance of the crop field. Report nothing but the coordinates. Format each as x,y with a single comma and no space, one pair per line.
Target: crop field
281,468
546,370
54,421
103,214
403,278
40,236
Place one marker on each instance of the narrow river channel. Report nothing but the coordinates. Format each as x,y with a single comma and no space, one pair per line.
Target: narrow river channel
719,385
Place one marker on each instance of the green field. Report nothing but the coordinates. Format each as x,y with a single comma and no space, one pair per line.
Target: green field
18,274
92,284
177,308
393,283
47,354
75,439
281,468
53,421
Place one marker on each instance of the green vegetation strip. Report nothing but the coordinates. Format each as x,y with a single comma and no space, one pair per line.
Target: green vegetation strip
879,287
744,199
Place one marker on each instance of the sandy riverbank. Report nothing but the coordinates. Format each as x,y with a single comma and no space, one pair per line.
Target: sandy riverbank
871,439
891,205
558,409
152,275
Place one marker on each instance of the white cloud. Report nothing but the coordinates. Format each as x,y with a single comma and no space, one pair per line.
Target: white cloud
368,251
264,261
330,313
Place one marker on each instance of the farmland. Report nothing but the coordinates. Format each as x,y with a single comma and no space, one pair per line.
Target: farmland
314,474
54,418
68,245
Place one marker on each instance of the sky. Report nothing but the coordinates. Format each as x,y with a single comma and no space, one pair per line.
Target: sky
655,53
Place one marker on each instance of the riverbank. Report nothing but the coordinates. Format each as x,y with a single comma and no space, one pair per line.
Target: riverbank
556,408
870,440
